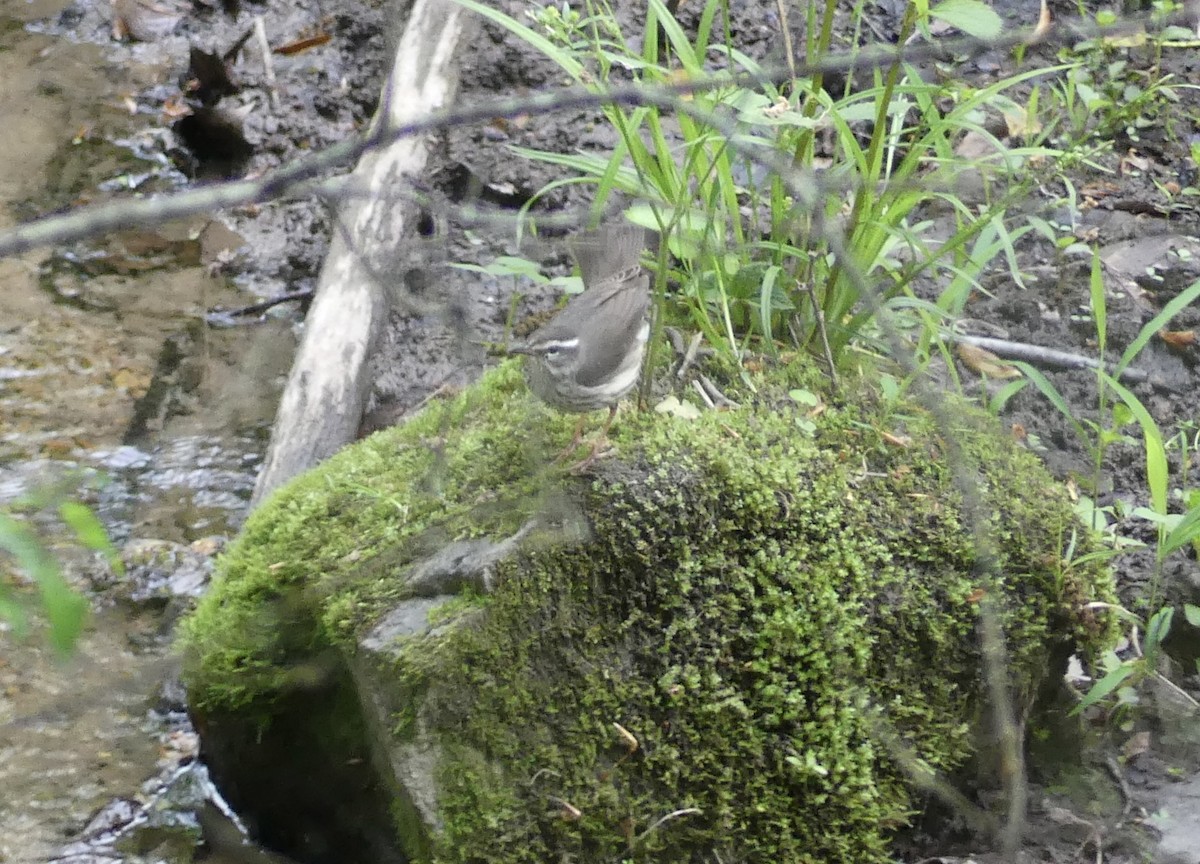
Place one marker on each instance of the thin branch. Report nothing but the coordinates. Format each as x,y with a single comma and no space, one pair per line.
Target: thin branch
227,317
264,50
674,814
1052,357
291,179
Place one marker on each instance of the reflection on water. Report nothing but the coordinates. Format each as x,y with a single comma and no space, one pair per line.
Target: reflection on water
113,392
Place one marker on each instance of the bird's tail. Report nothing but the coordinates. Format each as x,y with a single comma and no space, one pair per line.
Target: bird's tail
608,252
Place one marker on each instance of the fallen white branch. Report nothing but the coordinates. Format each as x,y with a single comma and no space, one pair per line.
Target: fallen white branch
322,404
1052,357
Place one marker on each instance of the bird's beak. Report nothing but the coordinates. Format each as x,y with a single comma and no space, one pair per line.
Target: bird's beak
496,349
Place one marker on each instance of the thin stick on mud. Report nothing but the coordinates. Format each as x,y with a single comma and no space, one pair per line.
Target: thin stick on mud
264,49
1052,357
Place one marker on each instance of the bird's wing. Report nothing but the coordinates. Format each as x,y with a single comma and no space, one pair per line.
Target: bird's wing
613,324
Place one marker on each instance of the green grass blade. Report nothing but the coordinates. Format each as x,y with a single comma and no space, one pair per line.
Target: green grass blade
1186,532
64,607
89,531
1042,383
1184,299
529,36
1103,687
1099,303
657,13
1157,472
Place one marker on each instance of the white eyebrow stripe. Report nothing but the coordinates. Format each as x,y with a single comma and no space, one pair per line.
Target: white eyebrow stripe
558,343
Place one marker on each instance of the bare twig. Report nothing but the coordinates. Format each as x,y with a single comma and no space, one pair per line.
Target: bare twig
298,177
674,814
225,317
690,353
713,393
1042,356
264,48
1110,762
819,318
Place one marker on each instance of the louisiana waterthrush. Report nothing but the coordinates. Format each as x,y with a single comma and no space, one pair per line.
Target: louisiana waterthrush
589,355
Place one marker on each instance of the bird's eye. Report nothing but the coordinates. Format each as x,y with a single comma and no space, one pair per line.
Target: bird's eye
553,351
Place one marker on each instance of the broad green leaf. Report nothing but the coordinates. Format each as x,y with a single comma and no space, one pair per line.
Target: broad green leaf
64,607
1156,455
1156,632
1186,531
972,17
1103,687
89,531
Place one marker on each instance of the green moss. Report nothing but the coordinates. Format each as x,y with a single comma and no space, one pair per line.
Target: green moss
752,602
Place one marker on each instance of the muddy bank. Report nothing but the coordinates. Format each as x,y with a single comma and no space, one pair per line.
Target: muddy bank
115,391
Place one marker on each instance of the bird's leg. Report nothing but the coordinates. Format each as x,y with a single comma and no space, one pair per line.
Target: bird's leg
576,440
600,446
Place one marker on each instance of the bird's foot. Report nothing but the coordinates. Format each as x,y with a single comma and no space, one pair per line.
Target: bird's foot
601,448
570,449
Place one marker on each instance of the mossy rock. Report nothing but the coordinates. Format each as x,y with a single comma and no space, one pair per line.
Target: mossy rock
709,646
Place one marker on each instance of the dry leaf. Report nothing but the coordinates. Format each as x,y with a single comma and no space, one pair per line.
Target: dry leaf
673,406
1133,40
896,440
568,811
631,743
679,77
57,448
301,45
1020,124
1133,161
1101,189
133,380
985,362
174,108
975,145
1137,744
1178,339
781,105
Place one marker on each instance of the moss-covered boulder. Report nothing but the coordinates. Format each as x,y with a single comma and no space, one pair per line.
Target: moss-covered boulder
709,648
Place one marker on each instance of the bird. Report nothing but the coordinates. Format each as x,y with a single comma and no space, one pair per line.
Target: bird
589,355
